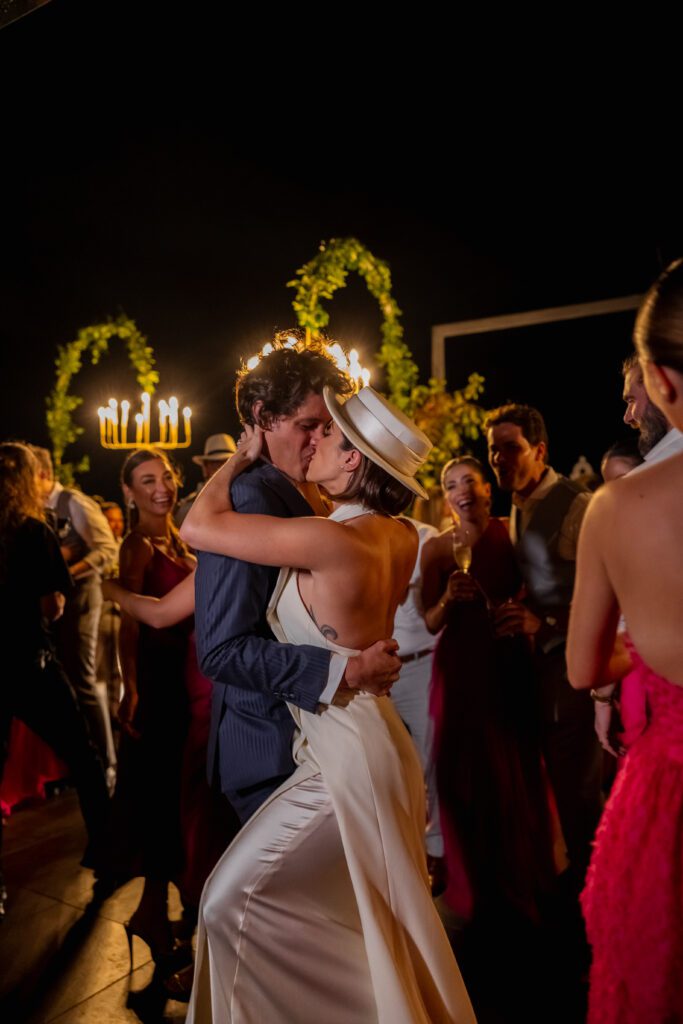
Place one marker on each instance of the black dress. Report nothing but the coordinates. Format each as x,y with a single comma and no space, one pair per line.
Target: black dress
34,687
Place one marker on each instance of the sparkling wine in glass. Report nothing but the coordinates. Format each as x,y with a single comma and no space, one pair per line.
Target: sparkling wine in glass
463,556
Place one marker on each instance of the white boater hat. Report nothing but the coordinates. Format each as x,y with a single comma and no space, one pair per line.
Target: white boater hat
382,432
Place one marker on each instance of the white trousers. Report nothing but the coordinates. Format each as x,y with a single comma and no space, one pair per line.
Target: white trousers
280,938
410,695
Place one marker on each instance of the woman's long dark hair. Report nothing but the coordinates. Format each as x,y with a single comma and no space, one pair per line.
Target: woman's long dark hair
19,494
136,459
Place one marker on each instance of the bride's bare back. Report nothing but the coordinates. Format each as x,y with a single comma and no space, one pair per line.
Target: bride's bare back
631,558
353,598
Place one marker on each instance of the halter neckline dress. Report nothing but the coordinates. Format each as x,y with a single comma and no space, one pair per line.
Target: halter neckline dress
405,967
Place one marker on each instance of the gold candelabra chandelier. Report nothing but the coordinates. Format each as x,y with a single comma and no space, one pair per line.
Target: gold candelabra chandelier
114,427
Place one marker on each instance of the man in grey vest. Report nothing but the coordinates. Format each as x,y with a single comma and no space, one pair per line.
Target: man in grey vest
546,516
88,547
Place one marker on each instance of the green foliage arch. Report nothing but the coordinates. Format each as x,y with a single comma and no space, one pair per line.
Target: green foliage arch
450,419
92,341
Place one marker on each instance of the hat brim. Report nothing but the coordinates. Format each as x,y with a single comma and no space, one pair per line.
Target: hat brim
336,411
198,459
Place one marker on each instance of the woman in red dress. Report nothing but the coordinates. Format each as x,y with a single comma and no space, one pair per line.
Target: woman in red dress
167,825
633,900
493,795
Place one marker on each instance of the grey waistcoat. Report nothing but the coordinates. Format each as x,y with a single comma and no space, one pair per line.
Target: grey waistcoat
65,528
549,579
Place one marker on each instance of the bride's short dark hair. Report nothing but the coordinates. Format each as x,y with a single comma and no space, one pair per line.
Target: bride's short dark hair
283,379
374,487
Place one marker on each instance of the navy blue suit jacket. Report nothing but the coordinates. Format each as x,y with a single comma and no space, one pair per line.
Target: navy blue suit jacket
250,742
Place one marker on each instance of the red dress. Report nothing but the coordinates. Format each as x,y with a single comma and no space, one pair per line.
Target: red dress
493,795
633,900
166,821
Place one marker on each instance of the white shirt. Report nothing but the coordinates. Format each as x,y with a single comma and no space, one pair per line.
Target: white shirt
409,625
89,523
670,444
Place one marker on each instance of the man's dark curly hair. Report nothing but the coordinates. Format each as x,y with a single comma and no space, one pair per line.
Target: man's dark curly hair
528,419
283,379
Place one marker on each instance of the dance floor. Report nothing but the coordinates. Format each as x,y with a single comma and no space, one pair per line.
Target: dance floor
64,959
61,959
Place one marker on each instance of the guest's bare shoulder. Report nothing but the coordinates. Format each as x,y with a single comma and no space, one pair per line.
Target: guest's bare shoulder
136,549
137,545
439,548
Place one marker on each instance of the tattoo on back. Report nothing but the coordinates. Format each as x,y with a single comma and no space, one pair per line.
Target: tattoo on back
329,632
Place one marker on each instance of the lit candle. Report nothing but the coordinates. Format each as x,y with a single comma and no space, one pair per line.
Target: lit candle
173,418
139,422
102,413
145,416
114,407
163,414
187,414
253,362
125,406
365,377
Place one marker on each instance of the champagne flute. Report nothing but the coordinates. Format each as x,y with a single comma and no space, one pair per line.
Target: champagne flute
462,552
463,557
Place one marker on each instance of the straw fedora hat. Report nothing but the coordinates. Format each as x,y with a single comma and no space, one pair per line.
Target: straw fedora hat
382,432
217,448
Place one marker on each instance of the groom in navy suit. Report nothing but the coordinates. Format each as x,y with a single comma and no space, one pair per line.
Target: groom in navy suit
250,743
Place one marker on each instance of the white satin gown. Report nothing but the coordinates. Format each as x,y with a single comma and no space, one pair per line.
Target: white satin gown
320,910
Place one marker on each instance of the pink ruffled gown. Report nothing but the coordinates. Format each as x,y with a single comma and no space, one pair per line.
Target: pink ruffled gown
633,900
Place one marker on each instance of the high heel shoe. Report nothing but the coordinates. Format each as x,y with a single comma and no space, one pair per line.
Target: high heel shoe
168,954
179,984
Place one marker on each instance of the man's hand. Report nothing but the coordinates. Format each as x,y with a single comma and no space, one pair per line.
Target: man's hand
79,568
375,669
126,713
604,730
513,618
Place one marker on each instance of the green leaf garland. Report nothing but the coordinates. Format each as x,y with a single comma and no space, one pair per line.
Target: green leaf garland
92,341
450,419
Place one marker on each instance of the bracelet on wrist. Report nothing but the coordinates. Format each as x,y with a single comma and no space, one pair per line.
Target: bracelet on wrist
602,698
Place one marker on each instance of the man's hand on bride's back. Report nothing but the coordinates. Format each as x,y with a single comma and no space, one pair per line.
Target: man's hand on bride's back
375,669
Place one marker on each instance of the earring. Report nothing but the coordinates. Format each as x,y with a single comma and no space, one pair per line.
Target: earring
131,504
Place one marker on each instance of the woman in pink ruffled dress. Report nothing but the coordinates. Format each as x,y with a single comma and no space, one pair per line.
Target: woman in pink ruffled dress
630,557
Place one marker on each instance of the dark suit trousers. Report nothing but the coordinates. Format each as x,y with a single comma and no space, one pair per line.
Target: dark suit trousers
573,757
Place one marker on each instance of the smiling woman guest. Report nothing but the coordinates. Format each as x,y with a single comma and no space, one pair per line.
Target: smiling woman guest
492,794
166,826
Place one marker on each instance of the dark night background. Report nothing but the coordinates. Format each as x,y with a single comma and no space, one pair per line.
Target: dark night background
182,172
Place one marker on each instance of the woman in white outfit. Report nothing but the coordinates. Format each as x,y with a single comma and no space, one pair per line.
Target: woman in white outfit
320,910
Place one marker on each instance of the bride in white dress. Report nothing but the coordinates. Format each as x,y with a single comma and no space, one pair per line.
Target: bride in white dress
320,911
